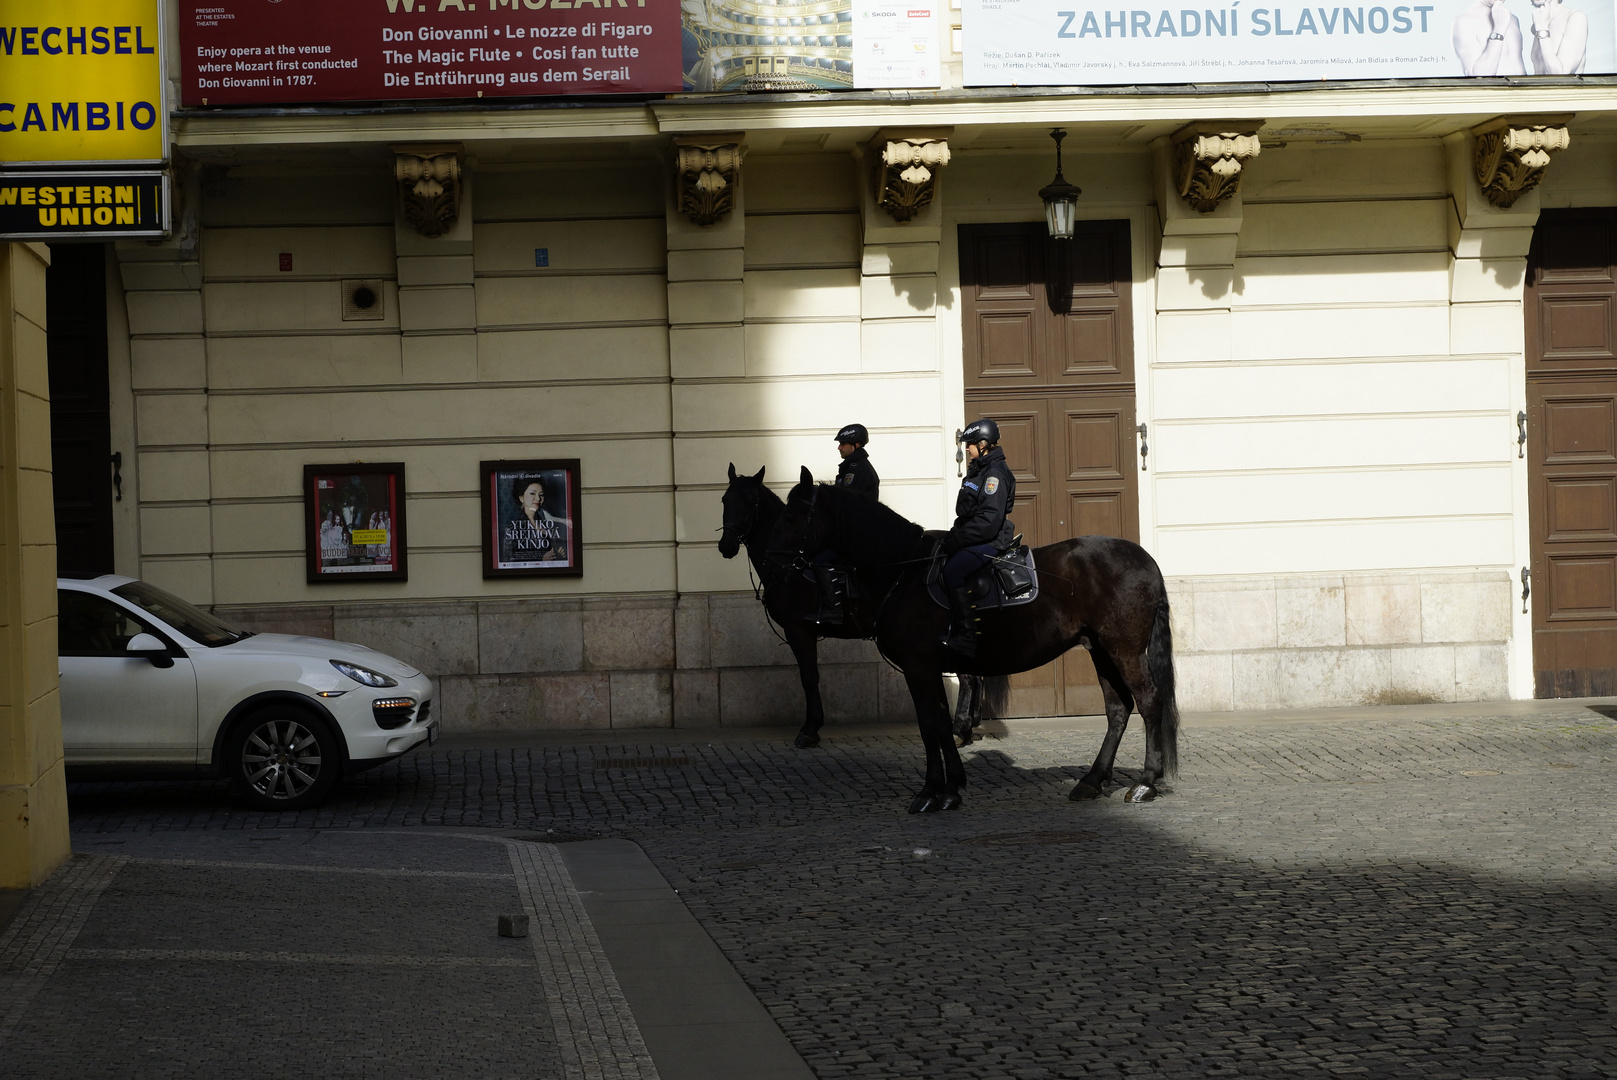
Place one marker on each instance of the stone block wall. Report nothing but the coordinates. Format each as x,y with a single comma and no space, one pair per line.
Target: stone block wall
697,661
1341,639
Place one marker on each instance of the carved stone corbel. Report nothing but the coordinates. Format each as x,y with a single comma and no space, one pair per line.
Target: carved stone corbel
429,186
907,174
706,172
1207,160
1512,153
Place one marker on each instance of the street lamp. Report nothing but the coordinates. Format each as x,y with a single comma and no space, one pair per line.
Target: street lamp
1060,198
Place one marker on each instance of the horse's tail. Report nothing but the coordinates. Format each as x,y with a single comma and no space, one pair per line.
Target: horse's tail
1159,660
996,696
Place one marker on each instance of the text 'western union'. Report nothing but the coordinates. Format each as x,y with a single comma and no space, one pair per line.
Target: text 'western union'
76,204
61,40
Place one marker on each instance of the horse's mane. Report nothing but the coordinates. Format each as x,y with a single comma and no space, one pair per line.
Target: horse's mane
867,533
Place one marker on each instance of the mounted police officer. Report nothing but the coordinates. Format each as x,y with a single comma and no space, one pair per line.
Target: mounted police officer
855,474
982,529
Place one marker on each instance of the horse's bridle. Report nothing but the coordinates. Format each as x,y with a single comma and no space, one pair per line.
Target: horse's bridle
744,533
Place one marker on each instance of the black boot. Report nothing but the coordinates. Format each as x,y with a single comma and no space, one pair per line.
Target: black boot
962,635
830,613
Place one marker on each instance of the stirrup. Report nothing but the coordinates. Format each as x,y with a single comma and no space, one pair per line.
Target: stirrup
827,617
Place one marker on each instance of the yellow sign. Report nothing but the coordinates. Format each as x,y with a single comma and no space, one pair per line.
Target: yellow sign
367,536
81,80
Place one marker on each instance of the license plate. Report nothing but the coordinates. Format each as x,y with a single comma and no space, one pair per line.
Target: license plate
432,733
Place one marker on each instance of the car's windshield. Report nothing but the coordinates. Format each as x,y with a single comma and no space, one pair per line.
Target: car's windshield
189,620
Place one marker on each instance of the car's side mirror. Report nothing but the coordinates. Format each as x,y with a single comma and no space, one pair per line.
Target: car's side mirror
149,646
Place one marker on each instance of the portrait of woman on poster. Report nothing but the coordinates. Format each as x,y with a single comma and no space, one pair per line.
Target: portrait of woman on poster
533,534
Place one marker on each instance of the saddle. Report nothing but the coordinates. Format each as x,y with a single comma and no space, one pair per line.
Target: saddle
1009,581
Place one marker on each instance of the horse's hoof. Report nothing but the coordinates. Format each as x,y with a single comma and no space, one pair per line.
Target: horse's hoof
807,740
924,804
1084,790
1140,793
950,801
963,740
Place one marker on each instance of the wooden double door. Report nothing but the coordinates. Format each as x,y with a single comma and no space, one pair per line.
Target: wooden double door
1049,356
1571,317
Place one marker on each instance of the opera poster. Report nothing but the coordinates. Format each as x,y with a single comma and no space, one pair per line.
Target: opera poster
354,522
531,519
1068,43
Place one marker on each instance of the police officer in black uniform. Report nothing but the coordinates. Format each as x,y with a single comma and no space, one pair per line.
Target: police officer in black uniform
856,474
982,529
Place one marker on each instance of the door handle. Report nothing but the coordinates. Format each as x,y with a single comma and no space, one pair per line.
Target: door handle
1145,448
1526,591
1521,433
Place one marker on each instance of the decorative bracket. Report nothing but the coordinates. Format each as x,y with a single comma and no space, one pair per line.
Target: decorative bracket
706,172
907,174
1207,160
1512,153
429,186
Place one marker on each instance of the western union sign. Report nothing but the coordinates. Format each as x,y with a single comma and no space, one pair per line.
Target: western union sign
56,206
81,81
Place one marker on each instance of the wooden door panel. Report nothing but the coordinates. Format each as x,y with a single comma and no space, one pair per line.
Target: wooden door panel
1577,327
1006,346
1066,416
1007,266
1580,429
1573,249
1571,346
1582,587
1088,265
1095,514
1094,445
1581,508
1091,342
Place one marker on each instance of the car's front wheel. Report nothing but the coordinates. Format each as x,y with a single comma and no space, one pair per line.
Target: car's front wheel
282,758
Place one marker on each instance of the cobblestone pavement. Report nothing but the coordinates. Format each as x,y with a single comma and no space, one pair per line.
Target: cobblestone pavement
1407,892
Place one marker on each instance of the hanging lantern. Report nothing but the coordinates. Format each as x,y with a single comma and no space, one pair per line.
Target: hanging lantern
1060,198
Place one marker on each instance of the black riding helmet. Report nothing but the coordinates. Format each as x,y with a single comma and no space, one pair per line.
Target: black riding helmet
854,433
984,430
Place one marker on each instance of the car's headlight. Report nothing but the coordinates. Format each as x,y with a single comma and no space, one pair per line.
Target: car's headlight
363,675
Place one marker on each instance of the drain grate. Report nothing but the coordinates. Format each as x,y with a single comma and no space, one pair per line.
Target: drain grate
1012,839
641,762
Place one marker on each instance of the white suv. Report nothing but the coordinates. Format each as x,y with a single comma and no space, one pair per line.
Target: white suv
152,683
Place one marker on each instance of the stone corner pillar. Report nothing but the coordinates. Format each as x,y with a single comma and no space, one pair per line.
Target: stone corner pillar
33,793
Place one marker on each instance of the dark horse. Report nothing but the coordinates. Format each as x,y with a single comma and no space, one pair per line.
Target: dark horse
751,512
1097,591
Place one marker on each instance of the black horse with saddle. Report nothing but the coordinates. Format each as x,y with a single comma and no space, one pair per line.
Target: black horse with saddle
1023,609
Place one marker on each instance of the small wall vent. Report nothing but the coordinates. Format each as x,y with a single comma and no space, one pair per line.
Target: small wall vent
362,300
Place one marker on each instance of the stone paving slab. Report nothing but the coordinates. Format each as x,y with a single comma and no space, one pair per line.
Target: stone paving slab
1407,891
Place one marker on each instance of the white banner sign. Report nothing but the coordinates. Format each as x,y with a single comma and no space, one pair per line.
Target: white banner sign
1082,43
895,45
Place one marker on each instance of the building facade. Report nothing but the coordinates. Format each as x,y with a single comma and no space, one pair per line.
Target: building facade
1292,349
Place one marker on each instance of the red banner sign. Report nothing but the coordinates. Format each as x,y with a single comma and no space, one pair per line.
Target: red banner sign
256,52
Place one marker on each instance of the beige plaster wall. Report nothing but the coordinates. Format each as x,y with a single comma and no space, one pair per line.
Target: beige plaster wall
1336,494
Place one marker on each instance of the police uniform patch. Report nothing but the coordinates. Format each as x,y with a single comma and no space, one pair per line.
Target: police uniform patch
992,485
847,481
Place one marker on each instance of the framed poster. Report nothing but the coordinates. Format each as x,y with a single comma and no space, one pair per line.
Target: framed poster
531,519
353,518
